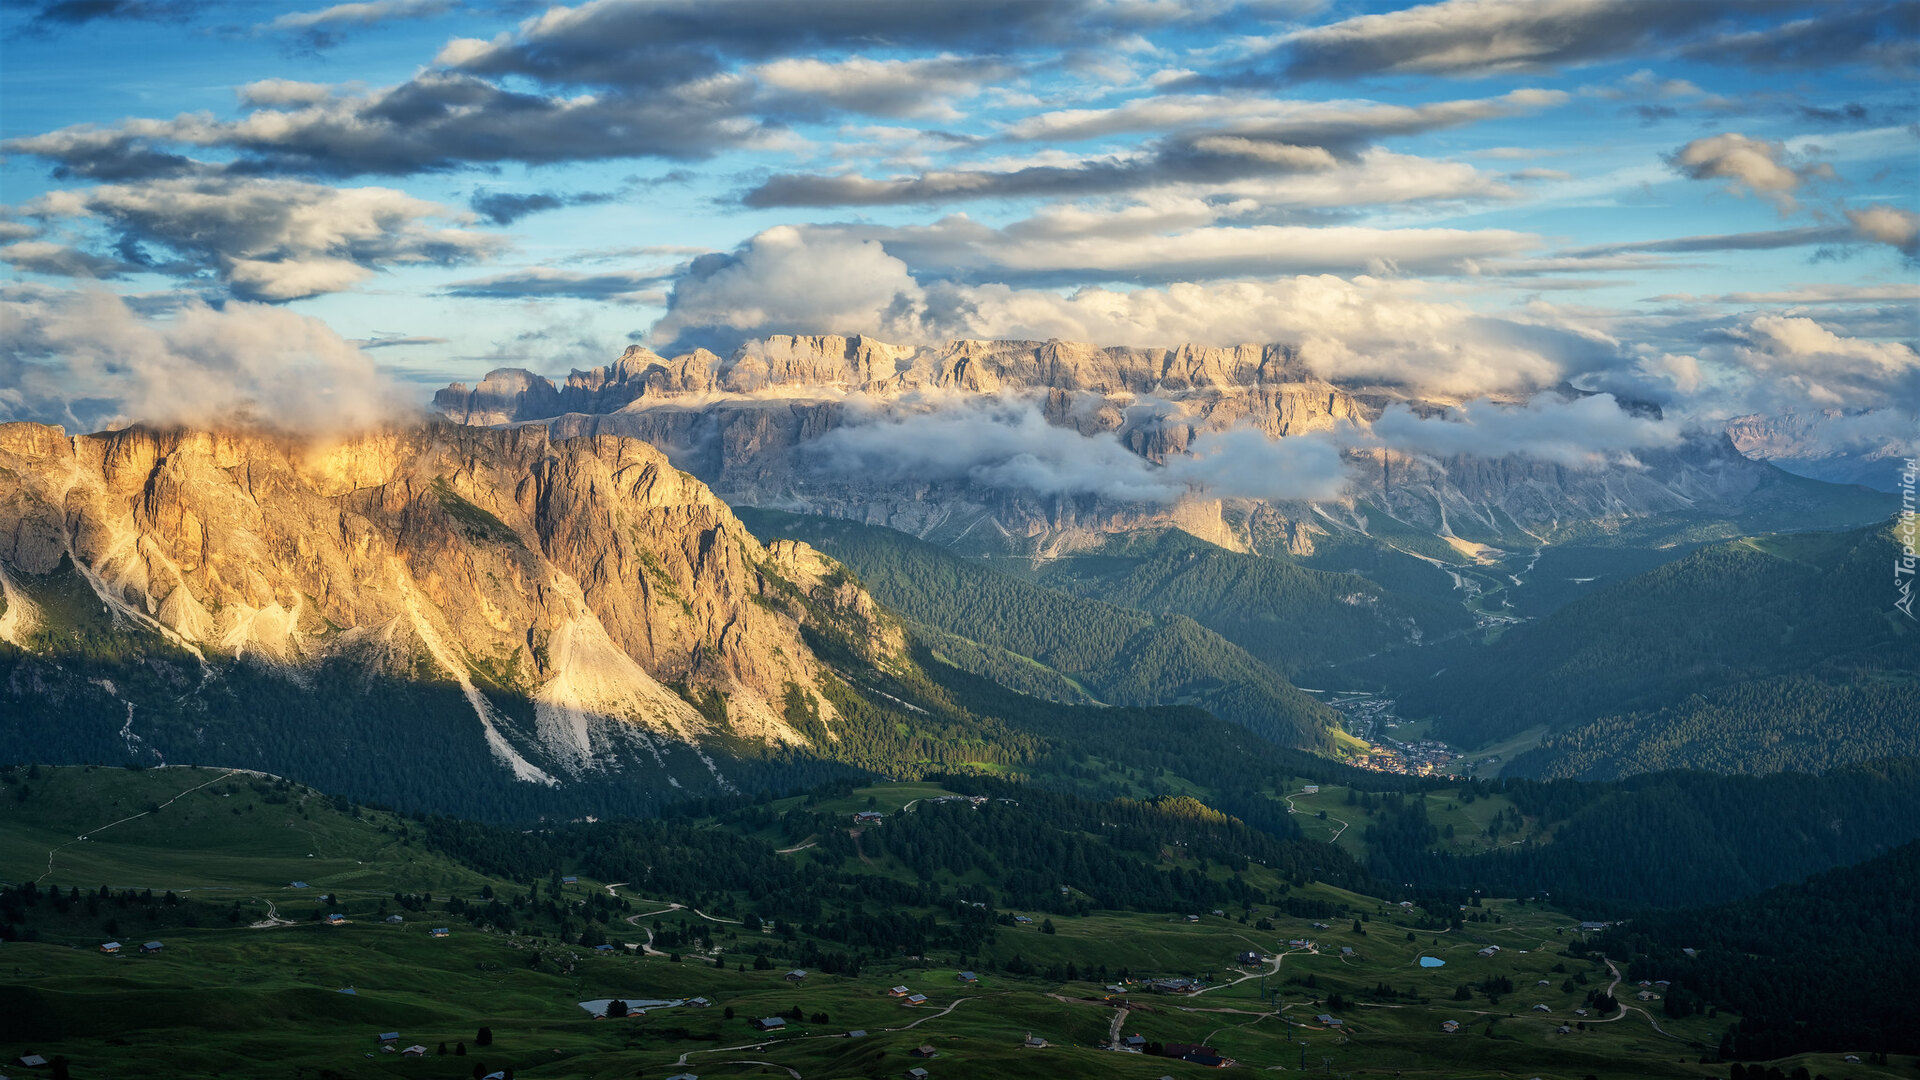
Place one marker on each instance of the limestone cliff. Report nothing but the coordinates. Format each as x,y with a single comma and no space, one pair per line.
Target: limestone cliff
586,575
744,423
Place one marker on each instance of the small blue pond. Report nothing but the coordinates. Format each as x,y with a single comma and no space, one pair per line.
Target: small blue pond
1432,961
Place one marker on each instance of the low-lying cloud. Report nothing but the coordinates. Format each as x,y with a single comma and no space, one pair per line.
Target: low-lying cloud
88,361
1579,433
1007,443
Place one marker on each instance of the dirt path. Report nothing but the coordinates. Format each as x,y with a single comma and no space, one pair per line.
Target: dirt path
810,841
954,1004
1276,961
1113,1029
272,920
1625,1009
1292,809
54,851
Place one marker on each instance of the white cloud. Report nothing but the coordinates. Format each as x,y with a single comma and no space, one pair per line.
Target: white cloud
87,360
1756,165
1889,225
1007,443
1581,433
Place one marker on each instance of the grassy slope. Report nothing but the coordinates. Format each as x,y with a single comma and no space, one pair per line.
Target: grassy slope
233,1001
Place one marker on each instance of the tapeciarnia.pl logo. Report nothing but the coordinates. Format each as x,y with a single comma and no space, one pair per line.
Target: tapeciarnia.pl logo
1903,564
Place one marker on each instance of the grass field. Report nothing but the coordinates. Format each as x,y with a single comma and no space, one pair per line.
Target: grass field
235,1000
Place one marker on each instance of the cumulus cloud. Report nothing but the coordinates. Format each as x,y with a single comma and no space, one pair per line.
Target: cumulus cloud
1359,329
360,14
1007,443
1588,433
1797,359
1755,165
89,361
273,239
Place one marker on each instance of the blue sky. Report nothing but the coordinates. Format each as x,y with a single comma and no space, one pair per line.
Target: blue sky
1710,204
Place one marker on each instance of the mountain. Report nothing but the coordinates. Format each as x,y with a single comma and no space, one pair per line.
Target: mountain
751,425
588,607
1770,652
1867,448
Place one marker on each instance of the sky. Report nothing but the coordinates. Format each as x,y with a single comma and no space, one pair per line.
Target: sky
314,214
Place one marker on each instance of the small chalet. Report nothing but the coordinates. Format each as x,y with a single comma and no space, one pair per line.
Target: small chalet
1544,982
770,1023
1346,950
35,1061
396,919
152,947
857,1033
699,1003
440,931
796,975
110,947
924,1052
603,948
1193,918
336,919
1327,1020
868,817
1450,1026
1250,959
899,991
1023,920
1310,789
1591,927
296,885
387,1038
416,1050
967,977
915,1074
1541,1008
569,881
1034,1042
916,999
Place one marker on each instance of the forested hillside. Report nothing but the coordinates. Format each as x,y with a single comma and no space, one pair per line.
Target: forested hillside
1735,657
1669,839
1049,642
1822,964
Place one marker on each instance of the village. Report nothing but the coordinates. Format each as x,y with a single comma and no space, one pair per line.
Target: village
1371,719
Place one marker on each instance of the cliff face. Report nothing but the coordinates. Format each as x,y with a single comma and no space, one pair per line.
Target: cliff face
744,424
587,575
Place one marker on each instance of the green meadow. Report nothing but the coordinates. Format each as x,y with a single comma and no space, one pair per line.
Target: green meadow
235,993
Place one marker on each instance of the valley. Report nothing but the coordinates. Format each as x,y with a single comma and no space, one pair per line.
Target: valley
231,928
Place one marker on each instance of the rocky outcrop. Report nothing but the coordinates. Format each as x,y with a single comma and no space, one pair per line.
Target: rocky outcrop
587,575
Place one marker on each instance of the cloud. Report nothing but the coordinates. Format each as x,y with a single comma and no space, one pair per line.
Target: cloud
1362,329
360,14
390,341
927,87
88,361
433,122
547,282
1477,38
656,43
505,208
1588,432
1284,139
1797,359
1007,443
76,12
1755,165
58,260
274,239
1889,225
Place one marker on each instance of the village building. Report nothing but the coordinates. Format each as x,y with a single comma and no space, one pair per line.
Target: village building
796,975
770,1023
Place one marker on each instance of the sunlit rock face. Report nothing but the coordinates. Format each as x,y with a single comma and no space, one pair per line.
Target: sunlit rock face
588,575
